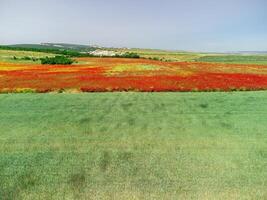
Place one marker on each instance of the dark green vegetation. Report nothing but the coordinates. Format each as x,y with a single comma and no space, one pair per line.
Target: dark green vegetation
128,55
65,52
133,146
64,46
26,58
57,60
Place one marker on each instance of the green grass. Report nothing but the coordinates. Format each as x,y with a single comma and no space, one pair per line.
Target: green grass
180,56
235,59
133,146
166,55
8,56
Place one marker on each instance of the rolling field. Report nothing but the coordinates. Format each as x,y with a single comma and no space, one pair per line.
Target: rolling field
133,146
130,145
236,59
123,74
8,56
183,56
175,56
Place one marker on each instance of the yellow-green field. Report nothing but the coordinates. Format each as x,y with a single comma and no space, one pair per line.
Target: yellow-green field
8,56
180,56
166,55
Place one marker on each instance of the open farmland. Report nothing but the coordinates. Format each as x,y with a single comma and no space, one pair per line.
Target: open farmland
130,145
183,56
237,59
9,55
176,56
133,146
121,74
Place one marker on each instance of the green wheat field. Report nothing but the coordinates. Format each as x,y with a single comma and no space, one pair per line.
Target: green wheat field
133,146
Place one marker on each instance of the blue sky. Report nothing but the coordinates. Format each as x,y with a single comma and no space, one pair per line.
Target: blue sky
198,25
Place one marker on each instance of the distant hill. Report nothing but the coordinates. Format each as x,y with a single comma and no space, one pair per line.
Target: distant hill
61,46
88,48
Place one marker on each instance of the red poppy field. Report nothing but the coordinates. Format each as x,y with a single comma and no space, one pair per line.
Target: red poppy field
119,74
